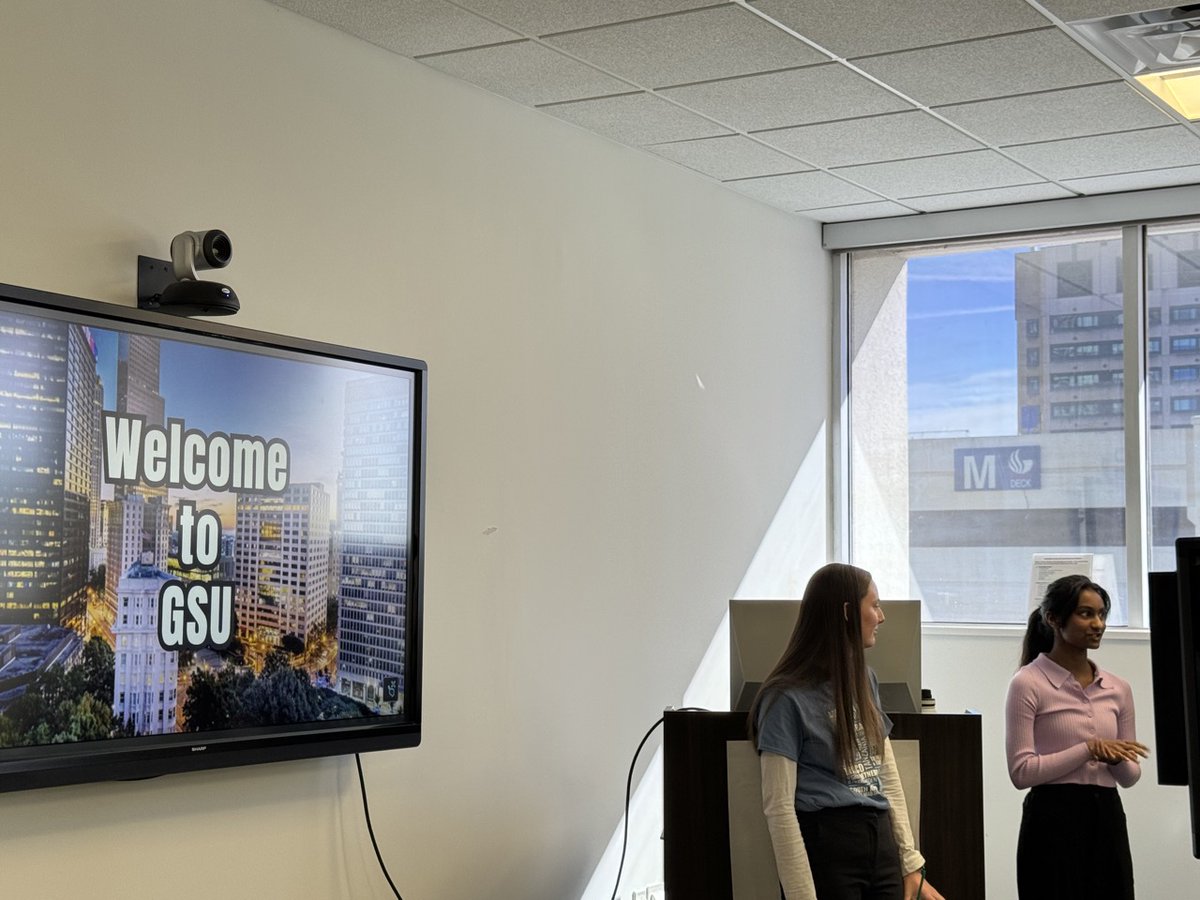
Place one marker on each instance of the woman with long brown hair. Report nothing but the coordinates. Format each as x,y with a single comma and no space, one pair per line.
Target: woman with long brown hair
831,791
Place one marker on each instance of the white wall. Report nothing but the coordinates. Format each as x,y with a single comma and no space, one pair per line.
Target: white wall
972,671
628,368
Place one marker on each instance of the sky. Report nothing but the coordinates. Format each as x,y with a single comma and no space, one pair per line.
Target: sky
962,344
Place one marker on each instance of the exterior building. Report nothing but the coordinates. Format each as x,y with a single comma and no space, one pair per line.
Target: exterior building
81,474
225,565
26,650
145,526
145,675
137,525
47,400
975,525
1070,334
372,517
98,531
281,563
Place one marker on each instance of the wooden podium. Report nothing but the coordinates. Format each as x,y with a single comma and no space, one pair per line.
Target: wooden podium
696,810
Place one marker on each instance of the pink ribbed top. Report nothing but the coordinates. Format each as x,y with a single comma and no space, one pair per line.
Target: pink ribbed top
1049,717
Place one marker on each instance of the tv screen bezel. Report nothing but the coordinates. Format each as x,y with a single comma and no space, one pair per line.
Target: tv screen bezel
1187,571
1166,676
147,756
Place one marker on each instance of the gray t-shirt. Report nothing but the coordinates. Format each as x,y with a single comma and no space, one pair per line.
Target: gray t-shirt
797,723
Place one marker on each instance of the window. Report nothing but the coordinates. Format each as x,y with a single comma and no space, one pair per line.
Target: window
1074,380
1171,480
949,501
1074,278
1003,450
1083,321
1085,350
1185,344
1073,351
1091,409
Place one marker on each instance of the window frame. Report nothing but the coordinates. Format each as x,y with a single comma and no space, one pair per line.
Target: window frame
1134,376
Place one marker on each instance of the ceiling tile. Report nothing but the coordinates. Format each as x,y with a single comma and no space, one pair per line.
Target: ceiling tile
807,190
796,97
1073,112
1111,154
540,17
732,156
875,139
710,43
974,170
1075,10
861,27
854,212
527,72
410,28
1026,193
1136,181
636,119
992,67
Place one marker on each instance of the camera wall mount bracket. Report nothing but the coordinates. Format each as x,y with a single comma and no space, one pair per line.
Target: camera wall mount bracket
153,276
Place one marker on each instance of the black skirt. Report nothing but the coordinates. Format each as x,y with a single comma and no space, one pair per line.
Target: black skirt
1073,844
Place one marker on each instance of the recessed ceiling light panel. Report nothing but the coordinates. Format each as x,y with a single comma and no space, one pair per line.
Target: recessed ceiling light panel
1159,47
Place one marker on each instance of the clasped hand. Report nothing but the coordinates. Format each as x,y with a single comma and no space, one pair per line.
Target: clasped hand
1117,751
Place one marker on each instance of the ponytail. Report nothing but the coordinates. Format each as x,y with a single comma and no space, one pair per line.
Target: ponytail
1039,638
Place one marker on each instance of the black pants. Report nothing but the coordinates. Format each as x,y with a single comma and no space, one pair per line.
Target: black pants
1073,845
852,853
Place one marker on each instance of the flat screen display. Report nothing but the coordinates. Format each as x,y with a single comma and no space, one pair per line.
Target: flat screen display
1166,672
1187,574
210,544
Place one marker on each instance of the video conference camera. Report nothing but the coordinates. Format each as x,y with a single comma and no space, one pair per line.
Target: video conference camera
173,287
192,250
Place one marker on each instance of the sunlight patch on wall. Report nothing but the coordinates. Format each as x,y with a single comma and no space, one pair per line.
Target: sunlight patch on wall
793,547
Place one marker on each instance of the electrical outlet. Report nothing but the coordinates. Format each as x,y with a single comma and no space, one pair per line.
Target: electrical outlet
640,895
656,892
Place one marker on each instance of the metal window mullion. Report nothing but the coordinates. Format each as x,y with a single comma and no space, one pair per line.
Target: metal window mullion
838,543
1137,501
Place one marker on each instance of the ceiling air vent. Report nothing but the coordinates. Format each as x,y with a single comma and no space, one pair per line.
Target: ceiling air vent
1158,47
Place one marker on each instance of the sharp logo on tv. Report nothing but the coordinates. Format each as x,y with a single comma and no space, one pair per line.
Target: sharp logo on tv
998,468
202,533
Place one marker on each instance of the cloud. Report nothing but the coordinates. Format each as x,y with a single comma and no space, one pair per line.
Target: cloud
1005,277
995,265
982,404
964,311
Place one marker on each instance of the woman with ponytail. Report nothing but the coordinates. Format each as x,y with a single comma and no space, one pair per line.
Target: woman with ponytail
831,791
1070,739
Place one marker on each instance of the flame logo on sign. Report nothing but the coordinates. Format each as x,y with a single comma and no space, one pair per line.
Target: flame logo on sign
1019,466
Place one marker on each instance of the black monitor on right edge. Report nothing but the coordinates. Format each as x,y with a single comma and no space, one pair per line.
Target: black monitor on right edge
1187,573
